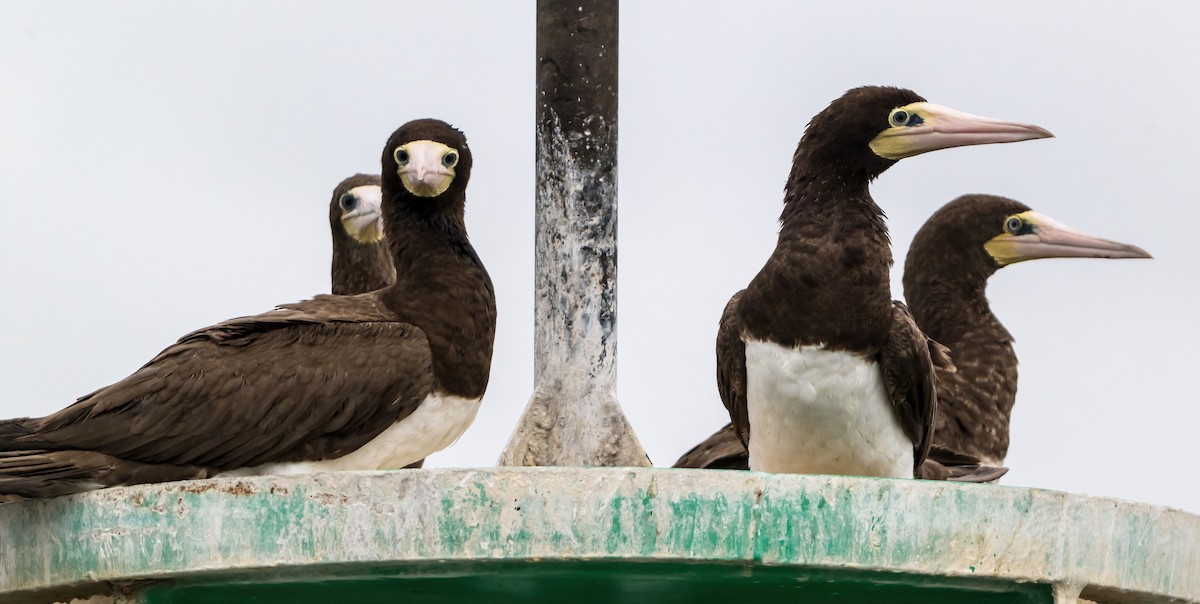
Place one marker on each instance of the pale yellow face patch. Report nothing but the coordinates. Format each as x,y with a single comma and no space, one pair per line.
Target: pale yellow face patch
1005,248
921,127
894,143
361,216
426,168
1030,235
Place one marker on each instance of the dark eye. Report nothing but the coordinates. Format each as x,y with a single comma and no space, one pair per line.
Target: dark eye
450,159
348,202
1013,225
401,156
899,117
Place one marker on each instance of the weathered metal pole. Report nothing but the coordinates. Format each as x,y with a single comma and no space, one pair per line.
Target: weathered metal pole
573,418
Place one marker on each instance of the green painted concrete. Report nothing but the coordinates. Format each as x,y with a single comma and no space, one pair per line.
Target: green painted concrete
640,530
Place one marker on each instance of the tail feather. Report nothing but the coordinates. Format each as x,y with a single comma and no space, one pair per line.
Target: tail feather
947,464
947,456
721,451
22,434
41,473
980,474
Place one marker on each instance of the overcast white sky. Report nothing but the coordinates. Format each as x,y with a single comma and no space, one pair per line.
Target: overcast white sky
164,166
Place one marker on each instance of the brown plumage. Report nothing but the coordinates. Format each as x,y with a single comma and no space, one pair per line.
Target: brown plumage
945,280
945,277
825,288
361,260
722,450
306,382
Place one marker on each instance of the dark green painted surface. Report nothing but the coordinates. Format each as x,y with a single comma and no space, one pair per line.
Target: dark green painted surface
586,582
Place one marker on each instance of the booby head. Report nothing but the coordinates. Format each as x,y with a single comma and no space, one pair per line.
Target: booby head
1029,235
872,127
356,208
992,232
429,159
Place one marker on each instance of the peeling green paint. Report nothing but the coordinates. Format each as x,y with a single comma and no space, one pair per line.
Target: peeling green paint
615,535
363,528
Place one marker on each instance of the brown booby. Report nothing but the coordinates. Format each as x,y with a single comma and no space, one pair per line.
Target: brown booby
945,280
820,370
370,381
361,260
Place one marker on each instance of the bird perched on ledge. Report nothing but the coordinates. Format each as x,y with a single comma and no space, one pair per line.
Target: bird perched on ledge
945,281
361,260
370,381
820,370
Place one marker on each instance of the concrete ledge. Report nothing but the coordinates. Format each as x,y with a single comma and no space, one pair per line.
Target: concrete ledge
410,523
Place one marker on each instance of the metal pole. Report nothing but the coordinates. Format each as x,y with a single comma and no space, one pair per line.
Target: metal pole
573,417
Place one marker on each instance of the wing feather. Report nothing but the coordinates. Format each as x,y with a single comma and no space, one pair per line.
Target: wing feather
731,368
909,376
311,380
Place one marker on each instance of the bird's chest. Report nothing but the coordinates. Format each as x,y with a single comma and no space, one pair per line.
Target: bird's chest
431,427
817,411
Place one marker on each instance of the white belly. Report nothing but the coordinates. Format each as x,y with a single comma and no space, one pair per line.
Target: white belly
815,411
433,426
